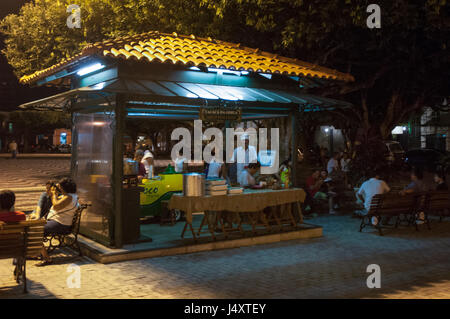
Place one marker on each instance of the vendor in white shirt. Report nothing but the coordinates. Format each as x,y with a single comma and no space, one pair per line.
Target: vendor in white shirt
243,156
147,160
246,178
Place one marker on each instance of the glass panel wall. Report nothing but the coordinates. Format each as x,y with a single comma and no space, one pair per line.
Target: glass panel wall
92,170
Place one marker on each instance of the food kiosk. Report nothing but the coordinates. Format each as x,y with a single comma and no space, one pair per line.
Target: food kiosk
165,77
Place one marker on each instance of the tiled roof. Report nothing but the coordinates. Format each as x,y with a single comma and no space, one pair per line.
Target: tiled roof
192,51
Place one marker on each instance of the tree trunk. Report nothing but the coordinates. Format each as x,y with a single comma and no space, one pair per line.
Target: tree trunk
365,114
389,118
26,135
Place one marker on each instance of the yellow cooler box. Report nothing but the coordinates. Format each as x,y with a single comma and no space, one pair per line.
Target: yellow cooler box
158,189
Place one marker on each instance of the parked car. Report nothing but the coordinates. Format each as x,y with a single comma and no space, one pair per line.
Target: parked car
426,158
395,154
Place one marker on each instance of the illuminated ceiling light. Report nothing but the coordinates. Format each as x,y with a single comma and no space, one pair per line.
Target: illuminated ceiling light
226,71
90,69
194,68
98,123
268,76
144,114
216,70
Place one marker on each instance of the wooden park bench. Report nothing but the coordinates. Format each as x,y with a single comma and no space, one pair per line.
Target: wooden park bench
403,208
69,238
437,203
21,240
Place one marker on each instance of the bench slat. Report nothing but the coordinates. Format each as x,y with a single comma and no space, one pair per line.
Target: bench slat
12,251
392,204
33,252
12,247
437,201
12,239
11,235
34,243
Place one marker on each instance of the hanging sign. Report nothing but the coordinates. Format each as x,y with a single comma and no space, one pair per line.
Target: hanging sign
220,113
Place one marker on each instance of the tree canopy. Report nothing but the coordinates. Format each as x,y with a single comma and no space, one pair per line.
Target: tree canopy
31,121
398,68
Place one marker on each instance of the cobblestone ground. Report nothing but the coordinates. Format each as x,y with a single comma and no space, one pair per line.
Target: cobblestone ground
413,265
28,173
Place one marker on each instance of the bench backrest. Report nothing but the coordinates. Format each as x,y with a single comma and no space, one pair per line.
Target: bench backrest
393,204
21,239
77,218
438,200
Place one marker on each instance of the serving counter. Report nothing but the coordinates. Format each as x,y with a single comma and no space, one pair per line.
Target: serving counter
256,207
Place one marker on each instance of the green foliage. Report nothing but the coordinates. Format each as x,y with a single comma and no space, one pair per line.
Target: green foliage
369,159
39,37
398,68
42,121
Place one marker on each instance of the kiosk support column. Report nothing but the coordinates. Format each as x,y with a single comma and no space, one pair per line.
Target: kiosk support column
120,108
293,116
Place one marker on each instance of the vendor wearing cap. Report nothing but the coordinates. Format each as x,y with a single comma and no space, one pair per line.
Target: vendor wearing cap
147,160
243,157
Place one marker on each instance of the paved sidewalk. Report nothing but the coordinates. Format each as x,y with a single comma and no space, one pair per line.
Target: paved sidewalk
413,265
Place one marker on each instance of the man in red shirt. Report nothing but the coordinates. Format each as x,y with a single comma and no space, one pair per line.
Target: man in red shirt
313,183
7,214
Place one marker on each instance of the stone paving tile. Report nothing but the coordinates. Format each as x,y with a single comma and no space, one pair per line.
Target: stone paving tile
26,173
413,265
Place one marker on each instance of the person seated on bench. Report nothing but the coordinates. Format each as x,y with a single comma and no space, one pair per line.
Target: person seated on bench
330,188
313,185
7,213
416,185
439,179
368,190
333,163
44,203
59,219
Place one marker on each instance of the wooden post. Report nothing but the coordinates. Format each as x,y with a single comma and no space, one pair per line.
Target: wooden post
74,156
295,182
118,169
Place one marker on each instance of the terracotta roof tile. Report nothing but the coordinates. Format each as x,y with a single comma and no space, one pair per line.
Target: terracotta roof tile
190,50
